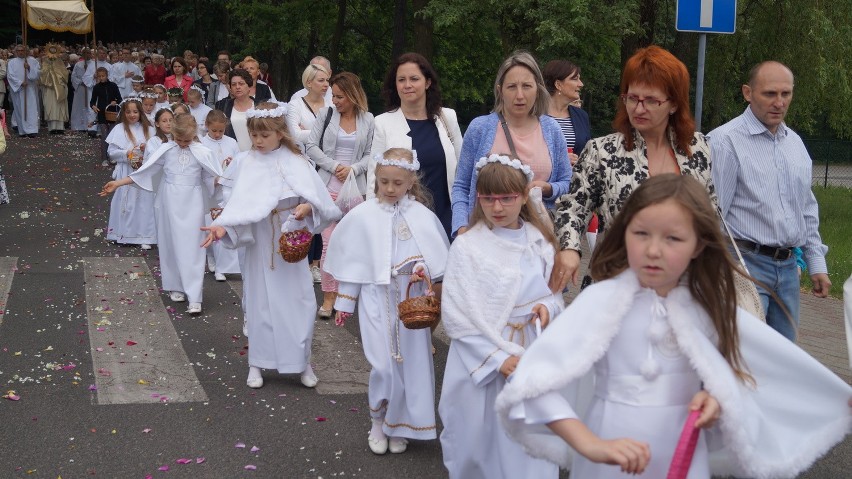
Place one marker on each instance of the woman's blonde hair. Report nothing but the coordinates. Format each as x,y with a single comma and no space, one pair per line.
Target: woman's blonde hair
418,191
710,275
524,59
274,124
499,179
311,72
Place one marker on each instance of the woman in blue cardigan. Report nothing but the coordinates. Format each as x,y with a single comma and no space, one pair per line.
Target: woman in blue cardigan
519,127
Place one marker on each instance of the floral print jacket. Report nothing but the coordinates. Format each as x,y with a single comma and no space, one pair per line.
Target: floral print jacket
605,176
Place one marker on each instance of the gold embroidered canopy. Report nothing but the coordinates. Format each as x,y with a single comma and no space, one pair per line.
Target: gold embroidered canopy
60,16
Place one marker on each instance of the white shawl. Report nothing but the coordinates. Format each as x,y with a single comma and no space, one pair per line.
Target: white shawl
145,179
361,247
264,179
483,280
795,414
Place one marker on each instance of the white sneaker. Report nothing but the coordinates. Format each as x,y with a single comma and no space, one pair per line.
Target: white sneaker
245,328
105,163
177,296
220,276
317,275
397,445
211,263
194,309
145,246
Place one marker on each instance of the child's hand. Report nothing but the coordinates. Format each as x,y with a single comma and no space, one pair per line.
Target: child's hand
509,365
301,211
541,312
227,161
633,456
418,274
341,317
214,234
710,409
109,188
142,147
97,110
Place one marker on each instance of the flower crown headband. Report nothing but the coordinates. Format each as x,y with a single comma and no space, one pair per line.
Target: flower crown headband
399,163
147,94
160,85
279,112
130,98
196,88
514,163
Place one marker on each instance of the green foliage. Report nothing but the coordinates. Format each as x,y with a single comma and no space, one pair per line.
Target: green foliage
835,226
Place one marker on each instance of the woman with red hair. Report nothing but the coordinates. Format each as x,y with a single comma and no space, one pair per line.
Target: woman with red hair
655,134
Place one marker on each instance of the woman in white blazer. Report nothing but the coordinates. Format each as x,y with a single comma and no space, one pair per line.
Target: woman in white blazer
416,120
339,142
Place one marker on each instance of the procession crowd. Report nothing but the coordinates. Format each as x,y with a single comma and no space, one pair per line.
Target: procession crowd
692,305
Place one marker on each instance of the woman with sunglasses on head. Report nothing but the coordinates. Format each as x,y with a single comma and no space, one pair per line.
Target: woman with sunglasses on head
655,134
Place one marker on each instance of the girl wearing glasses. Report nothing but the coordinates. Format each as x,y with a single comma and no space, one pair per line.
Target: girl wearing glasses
495,302
655,134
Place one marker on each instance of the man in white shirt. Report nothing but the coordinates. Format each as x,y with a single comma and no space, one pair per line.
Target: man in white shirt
123,72
22,74
317,60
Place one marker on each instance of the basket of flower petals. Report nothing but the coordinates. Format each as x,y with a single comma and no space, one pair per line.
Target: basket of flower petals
294,245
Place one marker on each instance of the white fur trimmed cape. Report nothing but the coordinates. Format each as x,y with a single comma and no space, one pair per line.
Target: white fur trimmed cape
200,152
360,249
796,413
483,280
265,179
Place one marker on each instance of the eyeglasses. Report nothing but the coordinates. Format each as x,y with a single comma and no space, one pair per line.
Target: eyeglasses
650,103
505,200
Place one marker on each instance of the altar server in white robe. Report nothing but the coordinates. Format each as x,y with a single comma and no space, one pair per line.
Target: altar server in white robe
82,93
220,260
131,212
122,73
375,251
663,337
22,73
276,190
495,299
188,174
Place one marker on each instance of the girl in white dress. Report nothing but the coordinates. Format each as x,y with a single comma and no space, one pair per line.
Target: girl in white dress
131,212
163,123
149,104
375,251
494,292
663,337
197,108
220,260
274,188
188,174
162,97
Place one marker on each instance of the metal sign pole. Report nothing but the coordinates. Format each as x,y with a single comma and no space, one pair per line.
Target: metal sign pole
699,79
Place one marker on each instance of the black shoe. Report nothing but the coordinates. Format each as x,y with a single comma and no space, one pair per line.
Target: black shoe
32,135
92,134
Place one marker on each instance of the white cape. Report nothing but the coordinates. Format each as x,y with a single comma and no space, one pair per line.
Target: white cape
795,414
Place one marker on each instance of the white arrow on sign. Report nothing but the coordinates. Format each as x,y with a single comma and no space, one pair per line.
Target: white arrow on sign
706,20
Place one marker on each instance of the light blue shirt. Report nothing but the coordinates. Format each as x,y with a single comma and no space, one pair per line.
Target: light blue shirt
763,182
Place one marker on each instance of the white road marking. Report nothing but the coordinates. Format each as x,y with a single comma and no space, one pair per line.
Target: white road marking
136,353
8,265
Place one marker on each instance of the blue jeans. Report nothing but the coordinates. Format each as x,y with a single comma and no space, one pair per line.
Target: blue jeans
782,277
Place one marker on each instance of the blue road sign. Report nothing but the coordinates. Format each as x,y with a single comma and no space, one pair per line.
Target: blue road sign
706,16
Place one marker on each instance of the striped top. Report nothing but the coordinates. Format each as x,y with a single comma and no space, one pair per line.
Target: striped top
763,182
567,127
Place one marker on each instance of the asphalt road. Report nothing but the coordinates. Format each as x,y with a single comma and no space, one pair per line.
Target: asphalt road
115,381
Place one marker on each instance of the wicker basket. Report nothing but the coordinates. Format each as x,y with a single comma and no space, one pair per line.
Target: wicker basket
294,245
111,113
135,157
420,312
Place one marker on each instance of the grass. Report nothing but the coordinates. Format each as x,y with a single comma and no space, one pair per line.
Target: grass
835,226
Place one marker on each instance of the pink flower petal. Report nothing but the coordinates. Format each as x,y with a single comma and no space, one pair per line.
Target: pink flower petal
320,419
131,343
250,467
92,387
163,468
200,460
255,449
240,445
183,460
146,430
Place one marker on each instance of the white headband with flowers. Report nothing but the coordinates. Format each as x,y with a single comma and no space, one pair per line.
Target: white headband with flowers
146,94
414,165
196,88
279,112
514,163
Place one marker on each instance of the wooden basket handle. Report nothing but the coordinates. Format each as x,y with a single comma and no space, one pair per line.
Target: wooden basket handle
428,286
